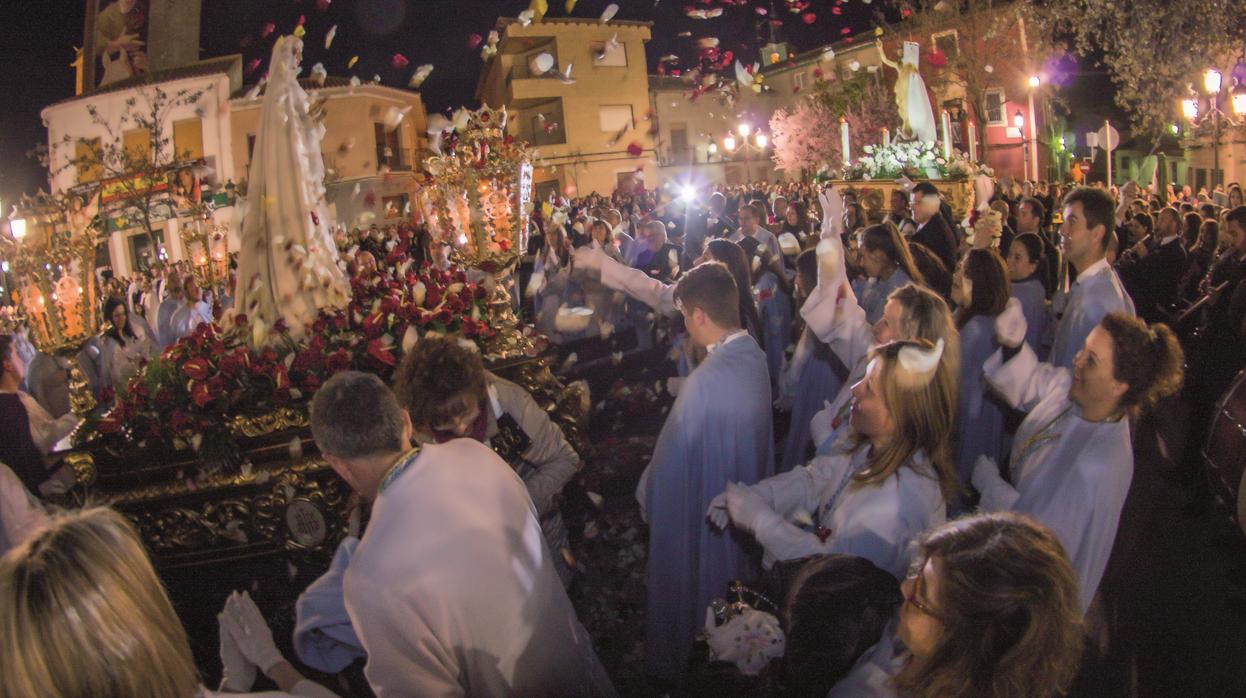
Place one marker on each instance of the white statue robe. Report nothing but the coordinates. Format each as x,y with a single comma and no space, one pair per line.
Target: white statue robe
288,263
1097,292
453,592
1070,474
876,522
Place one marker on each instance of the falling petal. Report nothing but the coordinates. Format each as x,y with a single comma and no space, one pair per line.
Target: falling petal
399,61
351,63
328,37
608,14
267,29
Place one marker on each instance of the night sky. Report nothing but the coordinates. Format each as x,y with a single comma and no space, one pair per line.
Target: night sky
38,46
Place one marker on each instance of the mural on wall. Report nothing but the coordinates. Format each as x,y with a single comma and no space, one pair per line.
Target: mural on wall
120,40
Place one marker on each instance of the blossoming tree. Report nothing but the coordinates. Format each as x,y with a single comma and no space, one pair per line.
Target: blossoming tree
808,137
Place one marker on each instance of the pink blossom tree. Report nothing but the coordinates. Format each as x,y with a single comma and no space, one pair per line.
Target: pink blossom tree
807,138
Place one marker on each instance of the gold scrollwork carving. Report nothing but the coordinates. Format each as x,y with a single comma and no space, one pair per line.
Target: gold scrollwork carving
281,418
83,465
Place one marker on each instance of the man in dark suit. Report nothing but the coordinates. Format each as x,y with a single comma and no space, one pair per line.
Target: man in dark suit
1152,272
933,230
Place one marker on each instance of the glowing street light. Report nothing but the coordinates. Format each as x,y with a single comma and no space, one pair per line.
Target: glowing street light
713,148
1212,80
1018,120
729,142
1035,81
1239,99
1189,108
744,129
761,139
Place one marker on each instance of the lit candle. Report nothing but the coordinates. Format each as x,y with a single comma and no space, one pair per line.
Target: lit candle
886,137
843,140
973,142
947,135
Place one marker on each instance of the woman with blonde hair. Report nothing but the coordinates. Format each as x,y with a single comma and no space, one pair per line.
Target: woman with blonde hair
990,611
85,616
891,484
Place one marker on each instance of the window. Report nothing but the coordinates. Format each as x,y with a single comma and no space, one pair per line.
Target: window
396,206
188,139
798,81
615,57
614,117
388,147
137,144
947,43
679,144
547,125
994,99
87,155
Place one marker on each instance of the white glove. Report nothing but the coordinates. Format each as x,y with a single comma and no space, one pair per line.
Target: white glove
717,513
830,253
832,210
985,471
252,633
746,508
820,427
1010,325
588,258
237,672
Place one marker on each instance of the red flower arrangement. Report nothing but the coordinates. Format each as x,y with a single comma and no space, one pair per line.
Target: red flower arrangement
190,394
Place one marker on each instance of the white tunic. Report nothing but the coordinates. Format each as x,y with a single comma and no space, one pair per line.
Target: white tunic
876,522
452,590
1097,292
1070,474
121,362
841,323
186,318
20,514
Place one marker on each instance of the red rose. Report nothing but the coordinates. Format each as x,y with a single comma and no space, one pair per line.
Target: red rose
201,394
233,364
240,320
432,298
381,353
307,360
373,325
311,383
197,368
445,317
179,421
337,361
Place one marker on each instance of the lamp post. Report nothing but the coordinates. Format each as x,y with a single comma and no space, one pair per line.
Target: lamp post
758,141
1192,110
1018,120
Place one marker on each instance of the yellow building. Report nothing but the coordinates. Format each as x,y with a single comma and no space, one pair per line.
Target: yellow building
372,164
583,129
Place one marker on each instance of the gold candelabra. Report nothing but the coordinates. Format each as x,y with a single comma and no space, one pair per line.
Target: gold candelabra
52,249
206,245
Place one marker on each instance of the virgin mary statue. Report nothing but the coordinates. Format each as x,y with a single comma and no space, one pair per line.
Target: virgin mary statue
911,97
288,262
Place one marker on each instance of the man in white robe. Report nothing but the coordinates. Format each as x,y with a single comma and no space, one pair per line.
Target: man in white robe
193,311
451,590
1089,216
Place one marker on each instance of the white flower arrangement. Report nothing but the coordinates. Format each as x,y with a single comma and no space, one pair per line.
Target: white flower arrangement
913,159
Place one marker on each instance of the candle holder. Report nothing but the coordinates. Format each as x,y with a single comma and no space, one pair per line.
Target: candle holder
206,245
479,192
52,249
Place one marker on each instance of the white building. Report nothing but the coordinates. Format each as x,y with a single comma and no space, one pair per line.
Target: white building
195,137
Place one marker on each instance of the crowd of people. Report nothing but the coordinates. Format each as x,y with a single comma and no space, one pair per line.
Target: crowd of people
935,504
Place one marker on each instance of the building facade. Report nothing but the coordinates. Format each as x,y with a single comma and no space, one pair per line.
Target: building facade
375,143
188,158
592,130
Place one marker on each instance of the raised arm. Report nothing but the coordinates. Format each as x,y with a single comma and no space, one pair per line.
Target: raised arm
633,282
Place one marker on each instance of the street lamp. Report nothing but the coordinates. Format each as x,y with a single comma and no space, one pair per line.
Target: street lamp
760,138
1191,108
728,143
1018,120
1035,81
733,146
744,129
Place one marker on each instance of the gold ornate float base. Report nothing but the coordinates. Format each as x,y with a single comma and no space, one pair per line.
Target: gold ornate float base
875,195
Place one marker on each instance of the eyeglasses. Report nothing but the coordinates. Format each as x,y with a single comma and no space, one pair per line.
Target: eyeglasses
914,597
